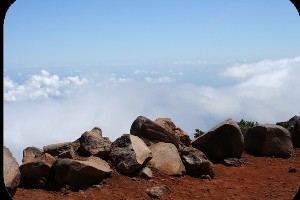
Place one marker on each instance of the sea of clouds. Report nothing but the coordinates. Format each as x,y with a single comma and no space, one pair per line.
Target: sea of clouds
45,108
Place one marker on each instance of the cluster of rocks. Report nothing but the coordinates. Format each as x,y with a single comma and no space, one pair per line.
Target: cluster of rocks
158,145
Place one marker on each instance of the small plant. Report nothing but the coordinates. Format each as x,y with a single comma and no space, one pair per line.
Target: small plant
245,125
198,133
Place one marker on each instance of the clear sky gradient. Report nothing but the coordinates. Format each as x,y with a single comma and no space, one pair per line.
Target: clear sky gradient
71,65
147,32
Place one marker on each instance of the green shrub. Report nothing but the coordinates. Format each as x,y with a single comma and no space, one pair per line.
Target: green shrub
198,133
245,125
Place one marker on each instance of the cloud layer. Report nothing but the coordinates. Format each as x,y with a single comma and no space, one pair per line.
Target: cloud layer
263,91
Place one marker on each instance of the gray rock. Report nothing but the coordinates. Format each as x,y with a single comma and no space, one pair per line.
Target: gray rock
232,162
293,126
152,132
80,174
11,173
166,159
269,140
92,143
158,192
129,154
196,163
225,140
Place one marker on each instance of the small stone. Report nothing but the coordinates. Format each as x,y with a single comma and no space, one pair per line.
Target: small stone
206,177
232,162
157,192
146,173
292,169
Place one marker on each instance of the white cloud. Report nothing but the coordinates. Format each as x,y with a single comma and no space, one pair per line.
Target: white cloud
142,71
39,86
268,95
163,79
257,68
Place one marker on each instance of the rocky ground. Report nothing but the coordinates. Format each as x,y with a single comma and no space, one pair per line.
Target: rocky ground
257,178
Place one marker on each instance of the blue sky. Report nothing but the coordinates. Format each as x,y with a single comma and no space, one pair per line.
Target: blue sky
70,66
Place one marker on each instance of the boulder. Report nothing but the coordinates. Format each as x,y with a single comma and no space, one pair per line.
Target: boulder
80,174
293,126
56,149
152,132
269,140
36,171
167,123
225,140
31,152
166,159
196,163
92,143
130,154
11,173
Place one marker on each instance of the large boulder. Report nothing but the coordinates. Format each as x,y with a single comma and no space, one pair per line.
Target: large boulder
167,123
130,154
225,140
269,140
79,174
152,132
166,159
196,163
11,173
35,171
293,126
92,143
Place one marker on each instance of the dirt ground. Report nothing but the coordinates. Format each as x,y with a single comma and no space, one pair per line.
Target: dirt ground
258,178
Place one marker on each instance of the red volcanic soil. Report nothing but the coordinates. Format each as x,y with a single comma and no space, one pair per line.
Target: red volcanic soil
258,178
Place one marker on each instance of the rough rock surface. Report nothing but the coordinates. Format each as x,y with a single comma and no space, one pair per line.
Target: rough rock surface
269,140
11,173
157,192
56,149
166,159
129,154
225,140
31,152
92,143
146,173
152,132
80,174
69,153
37,170
196,163
293,126
232,162
171,127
